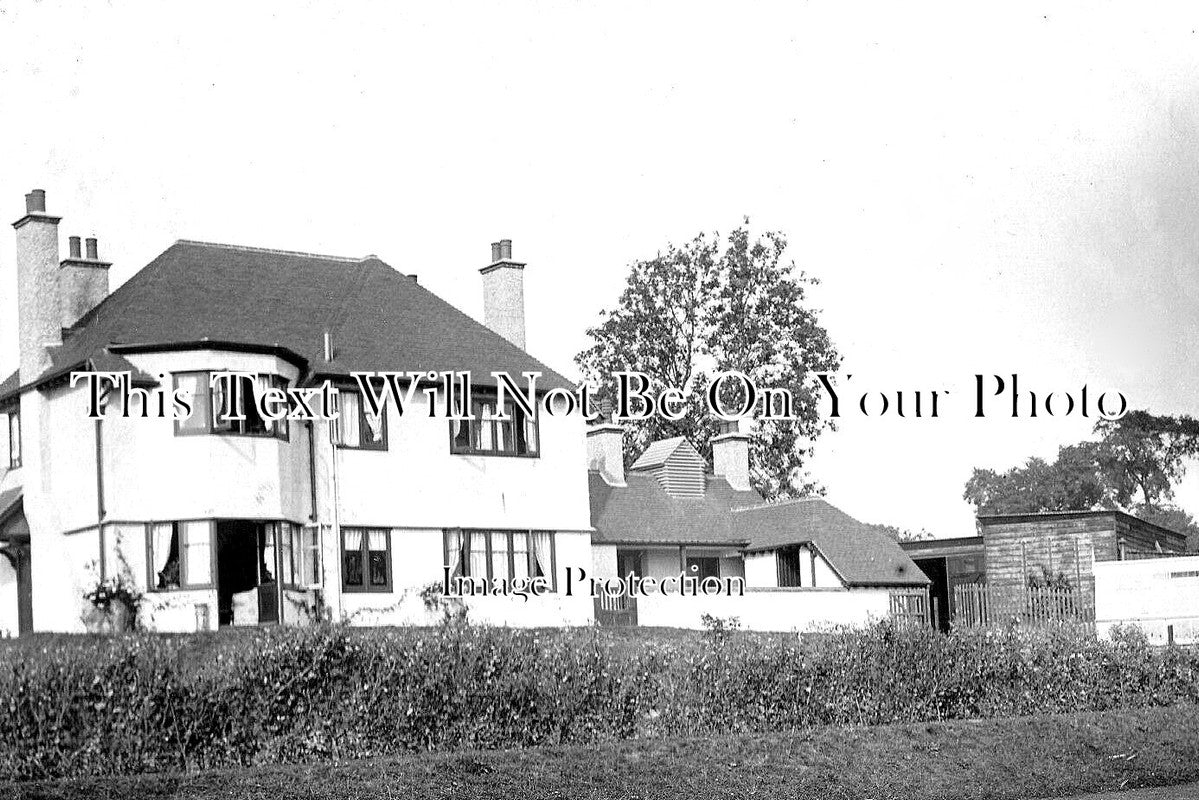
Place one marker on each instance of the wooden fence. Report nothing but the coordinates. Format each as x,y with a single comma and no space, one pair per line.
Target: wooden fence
911,607
980,605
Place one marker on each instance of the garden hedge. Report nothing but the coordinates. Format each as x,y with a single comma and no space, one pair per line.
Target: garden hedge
93,705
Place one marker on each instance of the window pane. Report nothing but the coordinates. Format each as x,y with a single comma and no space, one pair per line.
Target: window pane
352,556
461,429
520,555
499,555
478,554
14,437
348,422
194,387
5,448
220,407
289,553
372,427
164,555
266,552
542,554
486,429
197,539
378,558
530,427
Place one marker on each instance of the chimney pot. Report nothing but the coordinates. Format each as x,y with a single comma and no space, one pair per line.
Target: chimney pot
505,249
495,252
92,248
35,202
76,248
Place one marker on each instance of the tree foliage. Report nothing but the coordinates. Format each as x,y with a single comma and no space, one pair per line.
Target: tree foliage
1133,465
708,306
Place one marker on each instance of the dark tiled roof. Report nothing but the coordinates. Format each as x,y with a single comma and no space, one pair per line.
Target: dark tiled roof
859,553
379,318
642,512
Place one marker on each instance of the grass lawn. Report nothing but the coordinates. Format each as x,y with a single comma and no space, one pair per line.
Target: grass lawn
1050,756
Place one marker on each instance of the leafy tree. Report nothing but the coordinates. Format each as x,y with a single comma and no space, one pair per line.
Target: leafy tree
1134,465
713,305
900,534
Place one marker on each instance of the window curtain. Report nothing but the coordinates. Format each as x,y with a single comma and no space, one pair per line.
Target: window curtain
192,386
352,556
374,425
164,553
543,542
377,544
14,437
310,563
453,551
219,409
349,421
289,553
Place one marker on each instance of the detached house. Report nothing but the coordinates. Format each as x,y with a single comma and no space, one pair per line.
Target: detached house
226,521
245,522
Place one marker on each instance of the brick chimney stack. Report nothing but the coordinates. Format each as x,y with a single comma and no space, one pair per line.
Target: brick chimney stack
730,456
82,281
38,315
504,294
605,447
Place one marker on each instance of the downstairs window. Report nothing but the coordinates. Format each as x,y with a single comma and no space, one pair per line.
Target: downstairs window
510,555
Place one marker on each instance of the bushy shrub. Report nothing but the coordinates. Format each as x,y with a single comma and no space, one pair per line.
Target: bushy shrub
91,705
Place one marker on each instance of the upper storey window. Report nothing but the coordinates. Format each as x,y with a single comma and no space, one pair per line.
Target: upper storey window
356,427
227,408
482,436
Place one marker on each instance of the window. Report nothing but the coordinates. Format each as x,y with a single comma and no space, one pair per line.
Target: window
366,559
510,555
703,567
180,555
789,567
13,430
301,555
211,409
516,436
356,428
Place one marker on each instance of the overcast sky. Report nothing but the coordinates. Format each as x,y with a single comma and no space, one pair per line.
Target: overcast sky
1015,192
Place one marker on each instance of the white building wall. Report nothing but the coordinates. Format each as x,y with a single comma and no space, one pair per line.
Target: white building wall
769,610
8,599
1154,594
761,570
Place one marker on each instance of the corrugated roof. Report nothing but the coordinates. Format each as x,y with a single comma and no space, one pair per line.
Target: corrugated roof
858,552
379,319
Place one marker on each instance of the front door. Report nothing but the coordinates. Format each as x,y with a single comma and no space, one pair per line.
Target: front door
268,574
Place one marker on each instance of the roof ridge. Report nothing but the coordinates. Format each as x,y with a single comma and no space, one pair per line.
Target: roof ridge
275,251
778,503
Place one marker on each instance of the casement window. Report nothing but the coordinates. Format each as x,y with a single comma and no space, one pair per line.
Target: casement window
180,555
212,411
356,428
366,559
790,571
481,436
12,432
509,555
301,555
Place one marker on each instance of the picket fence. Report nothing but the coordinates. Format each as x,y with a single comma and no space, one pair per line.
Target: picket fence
980,605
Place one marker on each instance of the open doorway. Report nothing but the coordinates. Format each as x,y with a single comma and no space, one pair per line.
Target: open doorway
247,573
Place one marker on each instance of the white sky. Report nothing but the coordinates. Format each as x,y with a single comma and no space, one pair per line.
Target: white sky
1013,191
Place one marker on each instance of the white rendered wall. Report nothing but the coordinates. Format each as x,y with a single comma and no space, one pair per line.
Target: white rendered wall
1153,594
769,610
